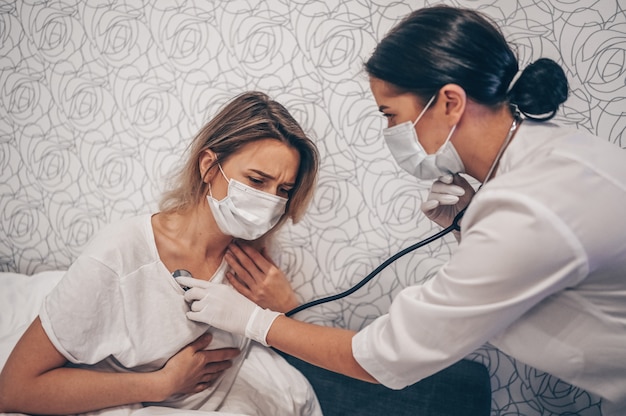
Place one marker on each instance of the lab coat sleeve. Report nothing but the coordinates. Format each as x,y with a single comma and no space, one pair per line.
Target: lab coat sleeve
514,253
84,315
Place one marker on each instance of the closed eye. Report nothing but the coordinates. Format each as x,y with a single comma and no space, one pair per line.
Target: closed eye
285,192
388,116
382,110
256,181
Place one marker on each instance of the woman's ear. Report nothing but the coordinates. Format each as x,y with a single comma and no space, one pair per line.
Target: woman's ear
205,162
454,99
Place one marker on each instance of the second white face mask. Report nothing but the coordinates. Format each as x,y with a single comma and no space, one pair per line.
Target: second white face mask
245,212
406,149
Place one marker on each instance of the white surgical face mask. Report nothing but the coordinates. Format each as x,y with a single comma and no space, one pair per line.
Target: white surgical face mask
406,149
245,212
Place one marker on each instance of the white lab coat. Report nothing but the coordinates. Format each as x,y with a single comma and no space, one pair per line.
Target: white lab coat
540,273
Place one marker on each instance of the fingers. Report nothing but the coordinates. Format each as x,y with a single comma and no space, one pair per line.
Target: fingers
443,193
202,386
191,282
218,367
444,199
461,181
447,179
221,354
202,342
445,189
248,265
213,370
249,257
429,205
239,286
217,361
194,294
240,272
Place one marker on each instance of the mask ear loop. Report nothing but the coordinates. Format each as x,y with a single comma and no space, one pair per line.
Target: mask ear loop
447,139
219,165
424,110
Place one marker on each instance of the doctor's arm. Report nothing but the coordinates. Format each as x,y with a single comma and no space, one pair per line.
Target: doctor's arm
35,379
326,347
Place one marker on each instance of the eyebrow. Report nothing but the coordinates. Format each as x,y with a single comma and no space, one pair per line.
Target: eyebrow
382,108
265,175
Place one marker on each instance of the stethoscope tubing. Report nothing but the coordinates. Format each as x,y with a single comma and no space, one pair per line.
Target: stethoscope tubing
455,226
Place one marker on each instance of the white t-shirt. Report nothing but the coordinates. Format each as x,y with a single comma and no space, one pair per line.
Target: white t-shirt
119,309
540,273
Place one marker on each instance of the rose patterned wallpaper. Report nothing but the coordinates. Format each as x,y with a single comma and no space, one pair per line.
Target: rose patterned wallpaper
98,99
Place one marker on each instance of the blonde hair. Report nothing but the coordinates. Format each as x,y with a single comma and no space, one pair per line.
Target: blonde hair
248,117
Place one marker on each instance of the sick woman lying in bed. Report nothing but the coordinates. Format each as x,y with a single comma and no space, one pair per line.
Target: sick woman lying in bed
114,332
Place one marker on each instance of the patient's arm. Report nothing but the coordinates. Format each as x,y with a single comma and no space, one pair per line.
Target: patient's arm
256,277
34,379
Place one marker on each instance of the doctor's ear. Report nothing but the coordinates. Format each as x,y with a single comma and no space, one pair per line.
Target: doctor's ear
205,163
454,99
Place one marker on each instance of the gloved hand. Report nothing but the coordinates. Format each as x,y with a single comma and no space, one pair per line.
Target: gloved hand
223,307
448,196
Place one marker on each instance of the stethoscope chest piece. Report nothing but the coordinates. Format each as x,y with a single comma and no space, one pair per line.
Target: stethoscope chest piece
182,272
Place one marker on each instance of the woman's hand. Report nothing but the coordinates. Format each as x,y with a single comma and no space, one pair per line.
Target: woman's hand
256,277
194,369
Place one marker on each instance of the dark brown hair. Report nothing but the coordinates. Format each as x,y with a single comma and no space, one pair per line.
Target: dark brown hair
440,45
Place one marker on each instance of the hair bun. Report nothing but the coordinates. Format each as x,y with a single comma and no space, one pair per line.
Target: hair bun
541,88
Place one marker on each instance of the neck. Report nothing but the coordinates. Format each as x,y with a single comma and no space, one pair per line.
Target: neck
194,233
483,134
490,173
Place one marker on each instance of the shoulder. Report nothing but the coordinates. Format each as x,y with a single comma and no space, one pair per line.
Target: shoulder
123,244
557,164
535,140
118,233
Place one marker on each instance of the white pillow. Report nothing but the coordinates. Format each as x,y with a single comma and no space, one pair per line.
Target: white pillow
21,297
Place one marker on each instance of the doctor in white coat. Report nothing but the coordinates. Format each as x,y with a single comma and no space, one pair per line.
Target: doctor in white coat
540,270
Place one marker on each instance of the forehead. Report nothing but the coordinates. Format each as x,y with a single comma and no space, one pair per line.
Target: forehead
269,156
381,88
387,96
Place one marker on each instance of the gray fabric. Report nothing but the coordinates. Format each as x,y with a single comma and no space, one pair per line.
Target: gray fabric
462,389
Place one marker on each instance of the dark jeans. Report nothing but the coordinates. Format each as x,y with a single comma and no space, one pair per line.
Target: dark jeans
462,389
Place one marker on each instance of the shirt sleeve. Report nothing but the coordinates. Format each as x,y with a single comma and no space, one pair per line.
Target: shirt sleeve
514,253
84,316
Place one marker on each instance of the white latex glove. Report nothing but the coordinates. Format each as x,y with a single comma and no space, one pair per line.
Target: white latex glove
223,307
448,196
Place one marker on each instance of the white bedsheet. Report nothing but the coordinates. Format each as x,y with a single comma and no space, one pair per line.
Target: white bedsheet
21,297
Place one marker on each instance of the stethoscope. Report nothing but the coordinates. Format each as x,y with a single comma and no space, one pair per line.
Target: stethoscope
455,226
